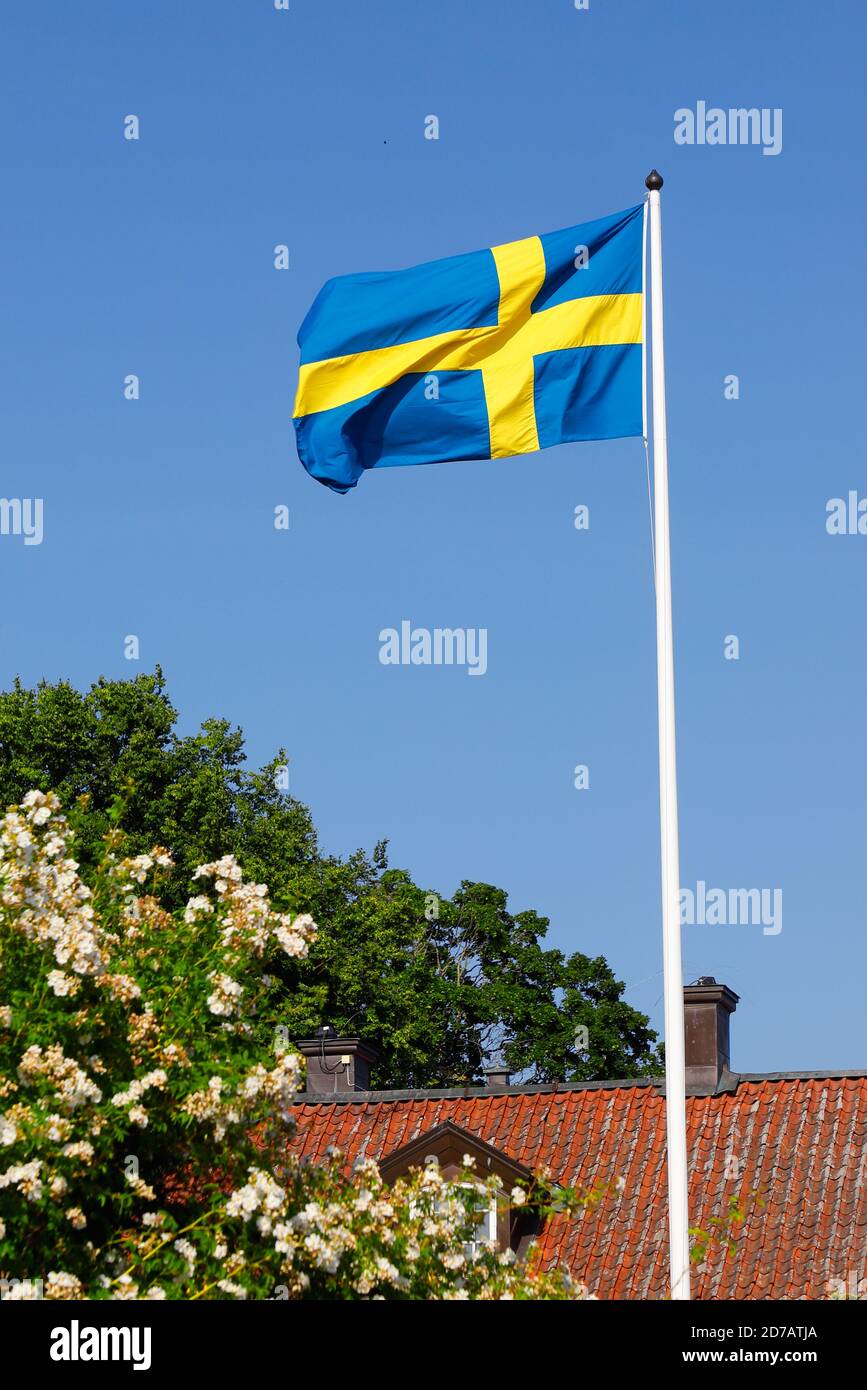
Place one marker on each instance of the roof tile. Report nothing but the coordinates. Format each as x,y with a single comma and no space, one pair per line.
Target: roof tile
798,1142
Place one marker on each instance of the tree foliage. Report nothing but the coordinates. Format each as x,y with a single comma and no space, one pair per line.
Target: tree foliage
438,984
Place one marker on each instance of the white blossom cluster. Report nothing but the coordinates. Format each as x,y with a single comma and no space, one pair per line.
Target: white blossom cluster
249,924
72,1086
225,997
26,1177
41,894
223,1107
133,991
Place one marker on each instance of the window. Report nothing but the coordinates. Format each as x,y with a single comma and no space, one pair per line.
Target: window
486,1227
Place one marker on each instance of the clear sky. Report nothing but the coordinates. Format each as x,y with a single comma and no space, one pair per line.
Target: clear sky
305,127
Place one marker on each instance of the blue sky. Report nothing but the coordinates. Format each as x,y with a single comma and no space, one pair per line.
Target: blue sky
306,127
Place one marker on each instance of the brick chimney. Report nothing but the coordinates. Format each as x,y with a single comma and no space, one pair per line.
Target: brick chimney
497,1075
336,1065
707,1008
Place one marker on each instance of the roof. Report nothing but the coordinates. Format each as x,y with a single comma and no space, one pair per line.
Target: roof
799,1142
449,1143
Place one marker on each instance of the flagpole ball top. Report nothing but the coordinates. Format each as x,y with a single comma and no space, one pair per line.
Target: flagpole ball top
653,181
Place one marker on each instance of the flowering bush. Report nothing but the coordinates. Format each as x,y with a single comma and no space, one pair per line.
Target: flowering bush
145,1104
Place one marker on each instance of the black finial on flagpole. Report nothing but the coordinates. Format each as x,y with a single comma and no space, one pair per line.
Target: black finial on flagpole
653,181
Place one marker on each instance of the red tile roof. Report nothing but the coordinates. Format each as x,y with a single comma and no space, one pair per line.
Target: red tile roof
799,1141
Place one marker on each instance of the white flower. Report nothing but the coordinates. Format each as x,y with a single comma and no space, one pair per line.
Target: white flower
224,1000
24,1176
62,984
292,943
386,1270
137,1087
195,906
187,1251
62,1285
144,1190
8,1132
227,1286
128,1291
221,869
74,1088
82,1149
138,867
519,1196
261,1192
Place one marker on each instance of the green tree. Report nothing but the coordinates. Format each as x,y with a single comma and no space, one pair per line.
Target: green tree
437,984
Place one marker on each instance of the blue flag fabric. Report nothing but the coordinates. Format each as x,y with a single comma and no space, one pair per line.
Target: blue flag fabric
481,356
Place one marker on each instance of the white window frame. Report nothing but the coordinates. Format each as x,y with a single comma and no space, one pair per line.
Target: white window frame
487,1227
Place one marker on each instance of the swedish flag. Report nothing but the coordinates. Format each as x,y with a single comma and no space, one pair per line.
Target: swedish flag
481,356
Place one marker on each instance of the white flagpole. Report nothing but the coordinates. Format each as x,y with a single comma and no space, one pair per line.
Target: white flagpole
675,1068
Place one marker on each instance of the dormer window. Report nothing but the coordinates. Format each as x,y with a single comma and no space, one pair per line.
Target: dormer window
499,1221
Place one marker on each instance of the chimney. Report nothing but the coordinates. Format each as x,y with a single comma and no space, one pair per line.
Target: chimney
707,1008
336,1065
497,1075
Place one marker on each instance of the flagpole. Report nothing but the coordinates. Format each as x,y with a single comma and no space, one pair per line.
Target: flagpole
675,1067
